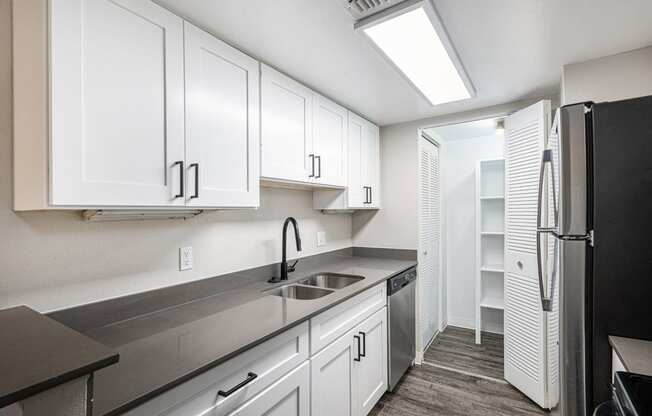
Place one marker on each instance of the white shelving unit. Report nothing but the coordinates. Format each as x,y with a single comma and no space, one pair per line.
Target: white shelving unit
490,240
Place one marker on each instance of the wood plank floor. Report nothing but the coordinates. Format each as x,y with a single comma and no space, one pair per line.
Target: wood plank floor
432,391
429,390
456,348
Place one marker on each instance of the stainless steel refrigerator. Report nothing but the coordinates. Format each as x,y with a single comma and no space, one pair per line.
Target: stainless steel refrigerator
594,240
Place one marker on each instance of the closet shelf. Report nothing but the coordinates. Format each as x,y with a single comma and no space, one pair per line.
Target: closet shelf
490,239
498,268
493,303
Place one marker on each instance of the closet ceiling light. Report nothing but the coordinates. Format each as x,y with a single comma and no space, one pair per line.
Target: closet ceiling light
415,41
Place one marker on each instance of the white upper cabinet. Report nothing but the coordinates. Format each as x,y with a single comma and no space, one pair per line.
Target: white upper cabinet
222,127
286,128
329,142
117,118
370,165
304,135
363,173
125,115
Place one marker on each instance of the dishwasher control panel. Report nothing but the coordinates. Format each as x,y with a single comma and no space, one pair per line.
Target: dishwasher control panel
399,281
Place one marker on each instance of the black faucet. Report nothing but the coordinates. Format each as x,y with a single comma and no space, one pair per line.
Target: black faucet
285,269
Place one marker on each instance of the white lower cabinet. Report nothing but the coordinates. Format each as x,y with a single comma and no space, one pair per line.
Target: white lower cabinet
256,371
333,386
350,375
290,396
345,376
371,371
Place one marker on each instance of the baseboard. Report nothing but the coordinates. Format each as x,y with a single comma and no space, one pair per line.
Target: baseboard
470,324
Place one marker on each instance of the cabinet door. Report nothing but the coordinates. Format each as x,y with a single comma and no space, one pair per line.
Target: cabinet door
356,136
370,373
286,128
222,127
371,165
333,386
290,396
330,141
117,117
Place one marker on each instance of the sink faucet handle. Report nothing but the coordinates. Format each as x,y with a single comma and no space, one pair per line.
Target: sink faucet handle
293,266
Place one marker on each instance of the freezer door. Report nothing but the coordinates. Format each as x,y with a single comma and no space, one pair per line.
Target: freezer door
573,171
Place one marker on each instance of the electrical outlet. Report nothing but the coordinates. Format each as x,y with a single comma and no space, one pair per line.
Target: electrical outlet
185,258
321,238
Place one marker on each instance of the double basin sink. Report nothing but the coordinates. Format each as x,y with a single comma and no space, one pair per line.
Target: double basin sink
315,286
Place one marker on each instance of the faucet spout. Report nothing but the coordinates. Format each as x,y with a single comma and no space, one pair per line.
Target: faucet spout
284,262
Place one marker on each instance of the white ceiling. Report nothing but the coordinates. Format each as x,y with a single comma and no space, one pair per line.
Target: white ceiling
461,131
512,49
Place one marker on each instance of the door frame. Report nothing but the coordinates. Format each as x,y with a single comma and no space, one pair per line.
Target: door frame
421,134
441,324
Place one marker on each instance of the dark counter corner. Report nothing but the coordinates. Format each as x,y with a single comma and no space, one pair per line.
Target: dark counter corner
39,353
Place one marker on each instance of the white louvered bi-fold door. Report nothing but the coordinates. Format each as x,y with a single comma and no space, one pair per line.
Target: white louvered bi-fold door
526,338
429,240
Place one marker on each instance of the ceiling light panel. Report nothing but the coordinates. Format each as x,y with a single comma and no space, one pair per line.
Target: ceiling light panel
422,53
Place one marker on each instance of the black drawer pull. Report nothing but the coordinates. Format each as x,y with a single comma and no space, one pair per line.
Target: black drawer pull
250,377
196,166
312,165
358,357
364,344
181,190
318,175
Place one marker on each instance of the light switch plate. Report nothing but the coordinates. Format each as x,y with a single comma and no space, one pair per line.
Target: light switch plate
321,238
185,258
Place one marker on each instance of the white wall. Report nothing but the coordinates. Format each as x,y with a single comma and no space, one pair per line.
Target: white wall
52,260
399,167
459,159
616,77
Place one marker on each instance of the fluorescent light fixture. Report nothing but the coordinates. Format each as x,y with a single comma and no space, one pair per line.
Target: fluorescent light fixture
415,41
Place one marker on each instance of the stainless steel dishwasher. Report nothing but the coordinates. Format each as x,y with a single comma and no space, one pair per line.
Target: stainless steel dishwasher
401,292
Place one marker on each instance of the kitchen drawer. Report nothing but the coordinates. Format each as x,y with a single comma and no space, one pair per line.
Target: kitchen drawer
335,322
289,396
269,361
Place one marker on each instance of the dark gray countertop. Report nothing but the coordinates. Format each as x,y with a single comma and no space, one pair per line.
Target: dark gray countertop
635,354
38,353
164,348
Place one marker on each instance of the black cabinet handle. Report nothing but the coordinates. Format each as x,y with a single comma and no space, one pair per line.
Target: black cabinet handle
250,377
358,357
364,344
196,166
181,190
367,195
371,196
318,167
312,163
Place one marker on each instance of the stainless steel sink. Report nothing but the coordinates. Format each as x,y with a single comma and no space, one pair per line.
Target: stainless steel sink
331,280
300,292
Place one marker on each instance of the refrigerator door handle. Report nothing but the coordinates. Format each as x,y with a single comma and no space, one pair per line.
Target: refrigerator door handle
545,159
546,301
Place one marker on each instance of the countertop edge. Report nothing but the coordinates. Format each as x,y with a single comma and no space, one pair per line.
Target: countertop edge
626,361
180,380
53,382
